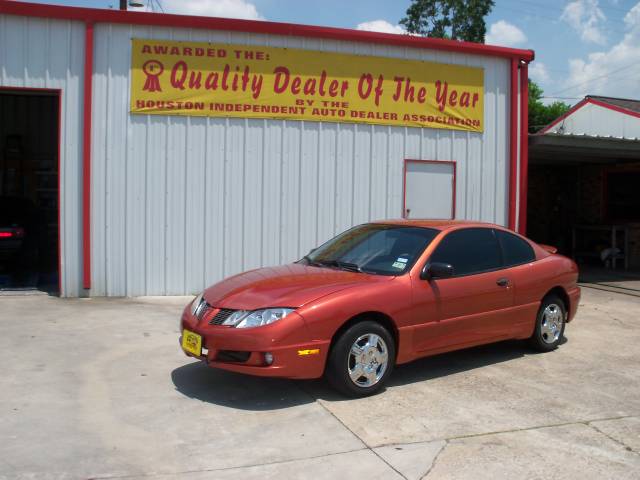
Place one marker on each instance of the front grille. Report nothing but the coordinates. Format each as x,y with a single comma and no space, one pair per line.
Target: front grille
202,310
221,316
233,356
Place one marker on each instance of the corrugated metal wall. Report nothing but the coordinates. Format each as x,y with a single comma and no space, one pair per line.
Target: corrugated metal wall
181,202
41,53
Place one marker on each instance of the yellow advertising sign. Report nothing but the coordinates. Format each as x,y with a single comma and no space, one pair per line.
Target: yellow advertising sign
221,80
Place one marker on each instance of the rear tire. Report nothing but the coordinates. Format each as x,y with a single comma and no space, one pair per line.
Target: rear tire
550,324
361,359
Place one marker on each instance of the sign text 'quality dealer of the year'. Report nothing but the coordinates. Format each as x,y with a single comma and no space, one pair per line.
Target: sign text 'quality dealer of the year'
222,80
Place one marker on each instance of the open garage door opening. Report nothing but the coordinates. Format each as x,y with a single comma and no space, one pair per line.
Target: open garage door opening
29,150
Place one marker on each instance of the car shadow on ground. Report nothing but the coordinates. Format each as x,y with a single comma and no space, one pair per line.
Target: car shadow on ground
234,390
244,392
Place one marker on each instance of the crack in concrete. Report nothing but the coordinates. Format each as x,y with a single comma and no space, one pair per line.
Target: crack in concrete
435,459
236,467
497,432
367,447
355,434
613,439
390,466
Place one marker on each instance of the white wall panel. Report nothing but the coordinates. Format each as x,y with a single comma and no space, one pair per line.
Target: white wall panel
41,53
181,202
591,119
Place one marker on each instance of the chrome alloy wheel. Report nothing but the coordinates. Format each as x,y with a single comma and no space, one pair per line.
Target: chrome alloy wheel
368,360
551,326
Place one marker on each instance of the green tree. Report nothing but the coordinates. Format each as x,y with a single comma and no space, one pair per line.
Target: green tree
540,114
453,19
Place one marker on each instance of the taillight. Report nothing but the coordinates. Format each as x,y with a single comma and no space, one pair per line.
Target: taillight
12,233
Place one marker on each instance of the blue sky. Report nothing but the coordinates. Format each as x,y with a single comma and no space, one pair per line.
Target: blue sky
582,46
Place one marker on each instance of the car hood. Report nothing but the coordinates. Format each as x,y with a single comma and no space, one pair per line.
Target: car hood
290,285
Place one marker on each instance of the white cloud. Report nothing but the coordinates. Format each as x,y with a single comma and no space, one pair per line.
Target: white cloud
632,18
539,73
213,8
506,34
381,26
614,72
586,17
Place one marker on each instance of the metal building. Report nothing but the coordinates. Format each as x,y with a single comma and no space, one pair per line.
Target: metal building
583,186
167,204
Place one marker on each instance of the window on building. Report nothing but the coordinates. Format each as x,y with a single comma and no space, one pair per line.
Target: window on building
469,251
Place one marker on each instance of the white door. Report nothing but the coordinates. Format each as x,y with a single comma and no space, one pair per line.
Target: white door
429,189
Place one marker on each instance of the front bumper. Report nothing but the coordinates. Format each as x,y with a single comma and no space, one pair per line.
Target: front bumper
574,301
286,340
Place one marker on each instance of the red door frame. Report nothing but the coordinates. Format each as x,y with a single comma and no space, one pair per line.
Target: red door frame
524,147
50,92
86,155
404,183
513,144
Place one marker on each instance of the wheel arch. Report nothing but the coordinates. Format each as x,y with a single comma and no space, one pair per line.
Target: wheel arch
382,318
562,294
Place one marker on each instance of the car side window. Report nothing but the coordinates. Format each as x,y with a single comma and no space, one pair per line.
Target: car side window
469,251
515,250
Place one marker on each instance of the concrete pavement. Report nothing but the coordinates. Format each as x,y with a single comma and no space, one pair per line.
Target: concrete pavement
97,388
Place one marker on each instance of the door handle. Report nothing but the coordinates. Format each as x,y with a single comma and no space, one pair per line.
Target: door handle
502,282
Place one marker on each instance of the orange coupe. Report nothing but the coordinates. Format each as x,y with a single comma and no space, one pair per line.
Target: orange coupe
382,294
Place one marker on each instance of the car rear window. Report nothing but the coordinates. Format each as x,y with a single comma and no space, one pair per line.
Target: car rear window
469,251
516,251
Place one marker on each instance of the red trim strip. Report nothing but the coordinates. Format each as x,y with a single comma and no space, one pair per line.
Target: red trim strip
524,147
58,93
86,157
404,184
93,15
577,106
615,108
513,144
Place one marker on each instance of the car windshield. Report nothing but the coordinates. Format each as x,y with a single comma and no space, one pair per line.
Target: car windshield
373,248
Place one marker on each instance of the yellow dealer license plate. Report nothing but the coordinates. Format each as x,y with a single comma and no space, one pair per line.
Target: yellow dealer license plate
192,342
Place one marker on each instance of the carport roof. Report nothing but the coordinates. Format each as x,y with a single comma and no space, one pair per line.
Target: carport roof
626,103
552,148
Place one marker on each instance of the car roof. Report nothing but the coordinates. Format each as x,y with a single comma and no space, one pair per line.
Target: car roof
436,224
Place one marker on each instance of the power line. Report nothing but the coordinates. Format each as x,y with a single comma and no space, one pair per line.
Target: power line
610,74
535,14
554,6
157,2
560,98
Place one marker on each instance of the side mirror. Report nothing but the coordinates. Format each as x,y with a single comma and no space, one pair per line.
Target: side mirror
434,270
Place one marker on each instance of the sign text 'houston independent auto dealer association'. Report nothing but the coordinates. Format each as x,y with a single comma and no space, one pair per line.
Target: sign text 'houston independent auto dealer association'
222,80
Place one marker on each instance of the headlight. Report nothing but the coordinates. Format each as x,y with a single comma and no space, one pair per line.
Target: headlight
195,305
257,318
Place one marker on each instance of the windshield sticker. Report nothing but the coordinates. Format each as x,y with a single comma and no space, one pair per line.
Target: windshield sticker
399,265
403,260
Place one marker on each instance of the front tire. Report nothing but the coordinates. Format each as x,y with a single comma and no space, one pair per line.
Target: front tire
550,324
361,360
